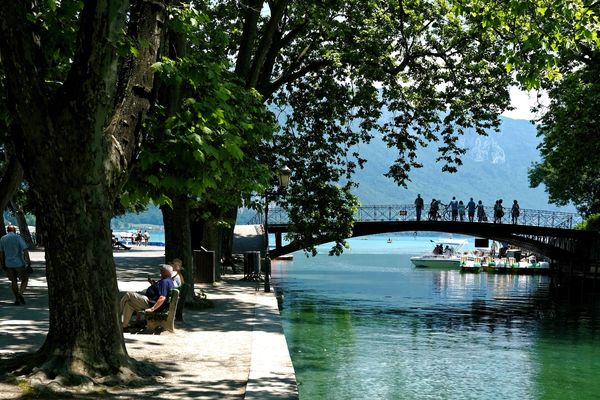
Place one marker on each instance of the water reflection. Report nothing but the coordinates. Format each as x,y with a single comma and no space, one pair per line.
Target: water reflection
372,326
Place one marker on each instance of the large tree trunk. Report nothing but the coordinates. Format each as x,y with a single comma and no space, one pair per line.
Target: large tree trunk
76,146
178,237
84,337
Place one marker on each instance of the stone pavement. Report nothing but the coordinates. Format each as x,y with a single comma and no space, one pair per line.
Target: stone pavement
235,350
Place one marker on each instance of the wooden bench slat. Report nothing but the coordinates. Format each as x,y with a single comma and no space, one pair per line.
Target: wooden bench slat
164,319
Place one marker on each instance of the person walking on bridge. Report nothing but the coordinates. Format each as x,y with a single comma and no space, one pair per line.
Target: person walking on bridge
454,208
481,217
433,210
514,212
461,211
419,204
471,210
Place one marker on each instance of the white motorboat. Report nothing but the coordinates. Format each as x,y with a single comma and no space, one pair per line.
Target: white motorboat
446,254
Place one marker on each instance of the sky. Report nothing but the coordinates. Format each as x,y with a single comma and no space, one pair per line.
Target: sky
522,102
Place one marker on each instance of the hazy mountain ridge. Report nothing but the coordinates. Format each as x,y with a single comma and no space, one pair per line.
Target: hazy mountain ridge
494,166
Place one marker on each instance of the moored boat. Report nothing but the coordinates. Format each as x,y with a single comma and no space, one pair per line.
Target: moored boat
446,254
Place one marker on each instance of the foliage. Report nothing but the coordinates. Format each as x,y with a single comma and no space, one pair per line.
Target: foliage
330,68
535,32
570,147
554,46
206,147
591,223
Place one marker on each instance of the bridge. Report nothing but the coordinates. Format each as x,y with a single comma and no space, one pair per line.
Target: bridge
548,233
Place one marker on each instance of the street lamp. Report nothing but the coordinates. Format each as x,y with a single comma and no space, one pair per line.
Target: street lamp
283,179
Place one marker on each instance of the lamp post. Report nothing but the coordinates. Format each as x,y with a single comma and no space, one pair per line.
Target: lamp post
283,180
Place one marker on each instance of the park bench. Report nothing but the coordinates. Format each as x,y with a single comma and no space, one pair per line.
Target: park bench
164,319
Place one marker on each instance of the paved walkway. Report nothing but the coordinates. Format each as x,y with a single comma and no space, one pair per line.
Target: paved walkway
235,350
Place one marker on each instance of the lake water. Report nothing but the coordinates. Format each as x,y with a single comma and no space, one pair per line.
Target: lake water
368,325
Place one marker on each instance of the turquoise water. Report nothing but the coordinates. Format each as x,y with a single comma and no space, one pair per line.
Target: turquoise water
368,325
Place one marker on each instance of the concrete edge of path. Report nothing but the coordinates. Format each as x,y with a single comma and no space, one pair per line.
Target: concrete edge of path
272,374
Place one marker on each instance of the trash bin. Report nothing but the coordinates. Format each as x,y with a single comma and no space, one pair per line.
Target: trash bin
251,264
204,266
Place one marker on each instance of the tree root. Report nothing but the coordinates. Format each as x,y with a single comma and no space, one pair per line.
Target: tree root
54,377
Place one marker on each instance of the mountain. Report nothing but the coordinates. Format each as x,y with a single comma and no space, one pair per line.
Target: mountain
494,167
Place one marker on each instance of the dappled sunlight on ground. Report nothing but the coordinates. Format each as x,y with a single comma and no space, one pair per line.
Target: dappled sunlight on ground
209,356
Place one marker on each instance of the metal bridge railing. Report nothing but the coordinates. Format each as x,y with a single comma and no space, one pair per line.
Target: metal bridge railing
408,212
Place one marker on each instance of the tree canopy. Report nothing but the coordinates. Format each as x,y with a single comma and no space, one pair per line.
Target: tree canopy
554,46
328,69
570,130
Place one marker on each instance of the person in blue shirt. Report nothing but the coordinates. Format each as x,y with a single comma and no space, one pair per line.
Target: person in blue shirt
153,300
14,258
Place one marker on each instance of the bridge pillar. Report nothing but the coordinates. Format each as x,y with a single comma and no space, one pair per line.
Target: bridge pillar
278,242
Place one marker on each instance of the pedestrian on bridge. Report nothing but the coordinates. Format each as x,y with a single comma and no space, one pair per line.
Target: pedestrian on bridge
471,206
461,211
454,208
433,210
419,204
514,212
498,211
481,217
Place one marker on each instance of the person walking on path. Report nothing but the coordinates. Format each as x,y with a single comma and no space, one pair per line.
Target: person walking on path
471,209
154,299
454,208
419,206
14,258
514,212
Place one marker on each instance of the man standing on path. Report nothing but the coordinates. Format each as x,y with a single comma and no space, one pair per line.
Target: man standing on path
419,206
14,258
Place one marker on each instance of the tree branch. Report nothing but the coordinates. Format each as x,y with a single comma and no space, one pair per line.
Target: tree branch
25,68
244,58
123,133
280,43
270,88
277,11
92,76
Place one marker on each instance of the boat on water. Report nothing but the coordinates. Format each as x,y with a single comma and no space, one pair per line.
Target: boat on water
445,254
528,265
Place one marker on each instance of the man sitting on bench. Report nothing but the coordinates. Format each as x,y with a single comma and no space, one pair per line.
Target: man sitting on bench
154,300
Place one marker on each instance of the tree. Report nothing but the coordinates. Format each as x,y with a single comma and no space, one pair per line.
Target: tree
329,68
78,88
554,47
570,147
200,139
